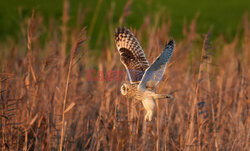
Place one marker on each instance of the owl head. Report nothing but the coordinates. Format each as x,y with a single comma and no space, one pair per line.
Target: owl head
129,90
124,89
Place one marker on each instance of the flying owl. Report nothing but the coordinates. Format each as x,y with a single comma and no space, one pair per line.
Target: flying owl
142,77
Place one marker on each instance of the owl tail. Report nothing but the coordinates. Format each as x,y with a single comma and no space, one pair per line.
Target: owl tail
163,96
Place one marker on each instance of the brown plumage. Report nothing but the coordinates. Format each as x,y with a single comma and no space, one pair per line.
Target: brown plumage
143,78
130,90
132,55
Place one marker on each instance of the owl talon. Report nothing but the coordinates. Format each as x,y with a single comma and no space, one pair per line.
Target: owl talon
169,97
148,116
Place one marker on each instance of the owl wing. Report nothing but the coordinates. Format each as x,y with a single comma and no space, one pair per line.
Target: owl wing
155,72
132,55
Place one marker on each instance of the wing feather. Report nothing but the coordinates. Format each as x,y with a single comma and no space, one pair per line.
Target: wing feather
132,55
155,72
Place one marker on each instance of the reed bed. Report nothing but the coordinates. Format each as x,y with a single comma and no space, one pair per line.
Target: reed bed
61,95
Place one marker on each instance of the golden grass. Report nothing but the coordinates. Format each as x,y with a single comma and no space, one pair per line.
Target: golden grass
49,102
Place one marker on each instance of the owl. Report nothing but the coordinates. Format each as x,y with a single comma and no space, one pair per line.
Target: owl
142,77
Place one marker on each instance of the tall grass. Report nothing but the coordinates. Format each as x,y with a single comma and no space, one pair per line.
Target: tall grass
52,100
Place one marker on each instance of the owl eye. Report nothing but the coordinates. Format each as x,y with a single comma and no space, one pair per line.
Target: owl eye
123,88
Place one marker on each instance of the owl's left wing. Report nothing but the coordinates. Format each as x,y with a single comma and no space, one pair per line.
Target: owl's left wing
154,73
132,55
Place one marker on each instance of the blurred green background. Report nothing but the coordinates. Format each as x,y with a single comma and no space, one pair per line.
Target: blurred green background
224,16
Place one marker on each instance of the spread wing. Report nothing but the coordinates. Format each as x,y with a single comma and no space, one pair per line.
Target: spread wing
132,55
155,72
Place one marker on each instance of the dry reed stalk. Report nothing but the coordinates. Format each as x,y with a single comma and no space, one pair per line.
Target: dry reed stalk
30,32
157,138
194,107
3,115
192,29
153,42
64,30
65,19
77,44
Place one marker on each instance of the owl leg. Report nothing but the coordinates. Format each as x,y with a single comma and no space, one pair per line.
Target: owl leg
149,105
148,116
163,96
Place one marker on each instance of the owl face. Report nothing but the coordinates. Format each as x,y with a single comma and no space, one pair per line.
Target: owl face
124,89
130,90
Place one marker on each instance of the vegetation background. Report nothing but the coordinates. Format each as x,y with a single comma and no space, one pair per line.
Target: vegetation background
60,75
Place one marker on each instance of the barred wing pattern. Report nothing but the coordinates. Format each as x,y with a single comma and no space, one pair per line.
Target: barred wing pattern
132,55
155,72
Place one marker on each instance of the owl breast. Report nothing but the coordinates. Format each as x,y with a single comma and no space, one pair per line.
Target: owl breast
134,93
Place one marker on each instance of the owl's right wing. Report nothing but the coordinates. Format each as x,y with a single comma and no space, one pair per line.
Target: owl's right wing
132,55
155,72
